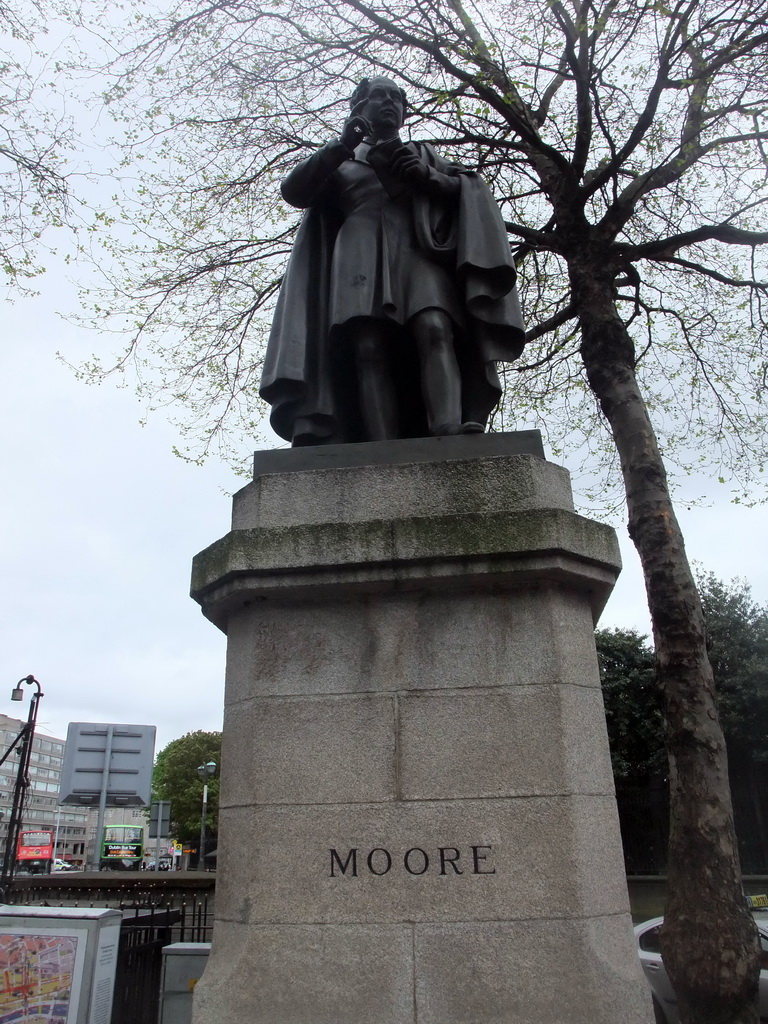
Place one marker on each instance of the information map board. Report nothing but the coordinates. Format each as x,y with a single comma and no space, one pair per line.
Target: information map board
57,964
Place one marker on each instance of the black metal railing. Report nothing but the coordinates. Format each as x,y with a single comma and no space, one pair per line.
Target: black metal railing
143,934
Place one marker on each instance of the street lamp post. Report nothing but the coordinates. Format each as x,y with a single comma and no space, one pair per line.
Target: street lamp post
205,772
56,835
24,743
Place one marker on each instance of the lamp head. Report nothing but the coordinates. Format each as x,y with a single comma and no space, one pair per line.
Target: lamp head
17,693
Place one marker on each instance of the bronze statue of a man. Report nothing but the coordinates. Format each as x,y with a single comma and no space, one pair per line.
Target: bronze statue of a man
399,298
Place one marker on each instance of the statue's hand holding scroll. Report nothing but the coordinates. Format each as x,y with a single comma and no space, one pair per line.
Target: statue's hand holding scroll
409,168
418,176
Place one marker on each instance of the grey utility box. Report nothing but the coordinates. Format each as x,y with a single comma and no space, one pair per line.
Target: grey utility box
183,965
58,963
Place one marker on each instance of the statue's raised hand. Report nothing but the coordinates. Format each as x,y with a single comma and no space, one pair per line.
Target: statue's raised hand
355,129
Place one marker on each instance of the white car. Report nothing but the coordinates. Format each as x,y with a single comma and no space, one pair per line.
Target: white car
664,1002
62,865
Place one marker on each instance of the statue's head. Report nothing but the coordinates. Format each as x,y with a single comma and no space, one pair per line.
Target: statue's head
382,102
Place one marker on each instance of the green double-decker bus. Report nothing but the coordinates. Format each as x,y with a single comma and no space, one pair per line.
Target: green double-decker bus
122,848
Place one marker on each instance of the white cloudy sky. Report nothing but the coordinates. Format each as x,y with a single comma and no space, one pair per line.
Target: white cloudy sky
99,522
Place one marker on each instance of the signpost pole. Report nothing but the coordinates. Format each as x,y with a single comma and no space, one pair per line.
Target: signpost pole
159,825
95,864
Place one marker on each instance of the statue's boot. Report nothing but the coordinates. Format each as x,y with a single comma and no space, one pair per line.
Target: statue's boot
447,429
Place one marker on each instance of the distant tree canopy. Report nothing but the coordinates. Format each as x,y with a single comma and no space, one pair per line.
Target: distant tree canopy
175,779
737,637
632,705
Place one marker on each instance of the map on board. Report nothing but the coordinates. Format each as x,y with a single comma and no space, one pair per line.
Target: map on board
36,973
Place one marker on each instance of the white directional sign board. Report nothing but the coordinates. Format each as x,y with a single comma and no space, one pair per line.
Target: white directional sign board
120,755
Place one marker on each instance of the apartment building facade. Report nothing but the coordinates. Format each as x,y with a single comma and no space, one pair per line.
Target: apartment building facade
41,808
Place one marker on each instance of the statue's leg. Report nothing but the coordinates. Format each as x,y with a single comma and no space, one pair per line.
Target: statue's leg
378,406
440,374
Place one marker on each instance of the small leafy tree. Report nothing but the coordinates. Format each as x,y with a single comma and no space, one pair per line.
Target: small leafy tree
175,779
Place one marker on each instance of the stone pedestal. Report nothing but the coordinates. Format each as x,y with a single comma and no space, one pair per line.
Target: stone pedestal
417,819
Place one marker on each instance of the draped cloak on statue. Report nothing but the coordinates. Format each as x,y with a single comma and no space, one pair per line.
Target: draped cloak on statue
424,251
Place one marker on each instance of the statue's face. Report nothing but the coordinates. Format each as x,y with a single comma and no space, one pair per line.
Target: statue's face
384,107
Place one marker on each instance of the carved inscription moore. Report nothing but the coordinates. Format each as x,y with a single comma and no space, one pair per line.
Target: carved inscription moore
444,860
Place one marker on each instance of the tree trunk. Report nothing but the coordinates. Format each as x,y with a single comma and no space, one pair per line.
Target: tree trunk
709,939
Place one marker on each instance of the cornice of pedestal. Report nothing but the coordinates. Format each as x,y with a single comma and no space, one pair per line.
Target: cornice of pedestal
468,551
